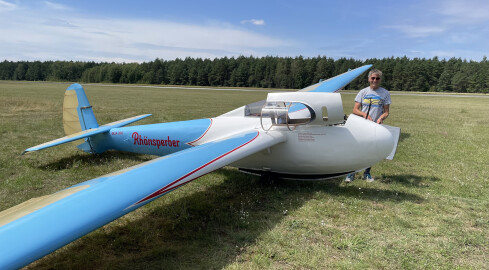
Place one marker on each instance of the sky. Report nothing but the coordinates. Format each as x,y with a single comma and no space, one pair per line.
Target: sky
143,30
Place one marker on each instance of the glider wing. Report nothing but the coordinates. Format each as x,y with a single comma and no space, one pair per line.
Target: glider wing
336,83
39,226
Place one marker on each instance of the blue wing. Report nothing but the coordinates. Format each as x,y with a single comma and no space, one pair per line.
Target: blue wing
331,85
336,83
39,226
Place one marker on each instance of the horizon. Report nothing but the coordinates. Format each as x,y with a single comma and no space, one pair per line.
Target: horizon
251,56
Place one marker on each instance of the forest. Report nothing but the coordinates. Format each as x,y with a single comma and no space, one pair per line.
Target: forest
400,73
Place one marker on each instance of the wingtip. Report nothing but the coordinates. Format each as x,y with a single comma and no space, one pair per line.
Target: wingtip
28,150
366,66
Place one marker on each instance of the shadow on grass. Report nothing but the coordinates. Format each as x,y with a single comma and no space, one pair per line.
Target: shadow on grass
81,159
206,229
403,136
409,180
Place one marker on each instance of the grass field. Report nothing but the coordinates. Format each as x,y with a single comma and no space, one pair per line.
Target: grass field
427,209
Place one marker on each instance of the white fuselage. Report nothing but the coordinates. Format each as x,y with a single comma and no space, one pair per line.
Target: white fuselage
314,150
318,144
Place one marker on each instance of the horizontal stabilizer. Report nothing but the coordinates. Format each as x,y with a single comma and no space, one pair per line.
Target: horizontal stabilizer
87,133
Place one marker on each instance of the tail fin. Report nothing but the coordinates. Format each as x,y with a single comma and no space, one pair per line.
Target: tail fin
80,124
77,111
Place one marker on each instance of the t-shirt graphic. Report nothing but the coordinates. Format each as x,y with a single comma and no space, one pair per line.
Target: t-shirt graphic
375,100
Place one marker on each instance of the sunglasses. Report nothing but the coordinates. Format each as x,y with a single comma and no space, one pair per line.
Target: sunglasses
375,78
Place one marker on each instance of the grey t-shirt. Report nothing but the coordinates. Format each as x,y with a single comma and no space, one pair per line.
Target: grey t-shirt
376,99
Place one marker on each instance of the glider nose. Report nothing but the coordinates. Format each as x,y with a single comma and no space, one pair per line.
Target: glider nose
385,141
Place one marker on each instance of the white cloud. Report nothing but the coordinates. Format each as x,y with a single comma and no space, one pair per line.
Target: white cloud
55,35
468,11
6,6
55,6
415,52
254,22
413,31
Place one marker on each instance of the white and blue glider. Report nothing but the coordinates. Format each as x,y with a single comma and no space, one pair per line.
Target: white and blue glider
264,137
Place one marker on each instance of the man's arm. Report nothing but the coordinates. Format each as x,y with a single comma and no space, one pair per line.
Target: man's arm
384,115
358,111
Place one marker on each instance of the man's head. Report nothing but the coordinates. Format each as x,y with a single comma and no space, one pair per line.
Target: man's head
374,78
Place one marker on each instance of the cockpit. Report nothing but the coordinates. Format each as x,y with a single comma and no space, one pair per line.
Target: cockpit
299,108
289,114
294,109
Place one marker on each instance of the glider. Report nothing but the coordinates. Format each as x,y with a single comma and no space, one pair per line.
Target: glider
299,135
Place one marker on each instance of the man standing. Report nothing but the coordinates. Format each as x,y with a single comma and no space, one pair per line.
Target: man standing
371,103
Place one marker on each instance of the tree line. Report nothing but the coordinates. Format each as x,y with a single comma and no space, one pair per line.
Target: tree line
400,73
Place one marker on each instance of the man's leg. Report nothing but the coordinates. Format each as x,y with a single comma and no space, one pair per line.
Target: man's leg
367,176
350,177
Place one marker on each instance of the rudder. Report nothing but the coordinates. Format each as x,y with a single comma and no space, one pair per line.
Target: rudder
77,111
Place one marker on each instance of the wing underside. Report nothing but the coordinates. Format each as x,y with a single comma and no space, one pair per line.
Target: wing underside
39,226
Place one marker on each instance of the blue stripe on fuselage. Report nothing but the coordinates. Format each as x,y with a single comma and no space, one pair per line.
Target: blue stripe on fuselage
158,139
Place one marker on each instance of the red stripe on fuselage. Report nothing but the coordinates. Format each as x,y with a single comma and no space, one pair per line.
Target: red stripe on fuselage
170,187
201,136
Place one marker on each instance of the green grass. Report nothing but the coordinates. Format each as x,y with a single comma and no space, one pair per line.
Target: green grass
427,209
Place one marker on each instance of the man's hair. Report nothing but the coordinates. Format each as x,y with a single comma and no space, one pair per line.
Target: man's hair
375,71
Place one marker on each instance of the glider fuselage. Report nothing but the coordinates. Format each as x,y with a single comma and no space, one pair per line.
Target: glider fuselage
311,151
